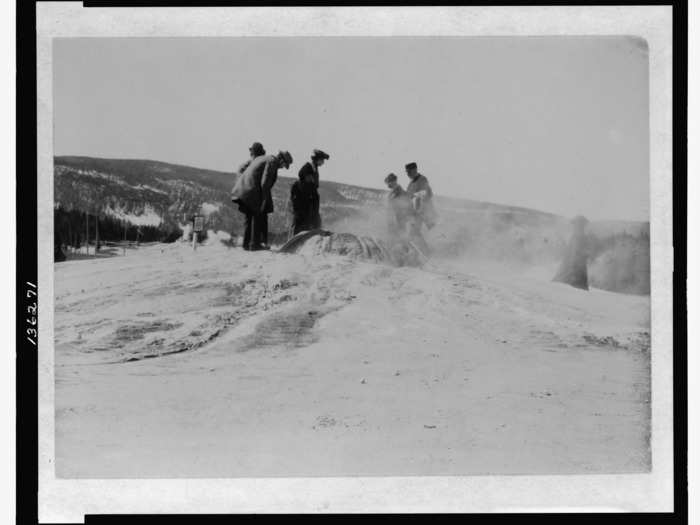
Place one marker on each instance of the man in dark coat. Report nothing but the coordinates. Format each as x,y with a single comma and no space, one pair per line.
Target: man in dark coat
304,197
253,194
310,169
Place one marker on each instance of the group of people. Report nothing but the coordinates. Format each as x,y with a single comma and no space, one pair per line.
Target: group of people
408,209
253,193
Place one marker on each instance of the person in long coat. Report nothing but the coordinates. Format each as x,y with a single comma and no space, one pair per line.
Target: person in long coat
304,197
255,150
253,194
310,169
421,194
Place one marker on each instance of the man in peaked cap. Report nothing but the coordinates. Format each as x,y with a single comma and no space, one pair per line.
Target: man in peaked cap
253,194
310,170
421,195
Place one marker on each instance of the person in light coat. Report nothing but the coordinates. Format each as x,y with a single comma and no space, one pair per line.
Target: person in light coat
253,194
256,150
421,195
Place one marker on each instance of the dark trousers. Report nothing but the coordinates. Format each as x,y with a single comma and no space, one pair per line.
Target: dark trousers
262,227
248,232
255,232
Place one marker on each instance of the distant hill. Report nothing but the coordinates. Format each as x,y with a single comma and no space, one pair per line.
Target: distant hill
152,192
158,197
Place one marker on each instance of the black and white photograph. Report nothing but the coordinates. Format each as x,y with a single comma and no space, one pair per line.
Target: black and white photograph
292,316
396,254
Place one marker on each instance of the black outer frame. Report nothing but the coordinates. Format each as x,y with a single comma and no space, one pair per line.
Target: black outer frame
26,272
27,450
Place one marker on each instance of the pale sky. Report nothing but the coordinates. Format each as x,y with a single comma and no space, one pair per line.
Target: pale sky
559,124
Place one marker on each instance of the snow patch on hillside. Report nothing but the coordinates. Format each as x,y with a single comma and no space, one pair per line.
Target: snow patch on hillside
149,217
210,207
360,194
60,170
150,188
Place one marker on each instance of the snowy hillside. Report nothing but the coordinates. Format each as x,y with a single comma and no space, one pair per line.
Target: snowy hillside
130,187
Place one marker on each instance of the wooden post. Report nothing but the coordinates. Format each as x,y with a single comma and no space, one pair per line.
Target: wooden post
124,245
195,230
87,234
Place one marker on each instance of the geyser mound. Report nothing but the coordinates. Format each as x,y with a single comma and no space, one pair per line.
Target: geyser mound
319,242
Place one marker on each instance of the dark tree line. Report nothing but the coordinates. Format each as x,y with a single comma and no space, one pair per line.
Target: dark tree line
74,228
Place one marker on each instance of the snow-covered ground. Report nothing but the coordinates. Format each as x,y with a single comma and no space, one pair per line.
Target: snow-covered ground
222,363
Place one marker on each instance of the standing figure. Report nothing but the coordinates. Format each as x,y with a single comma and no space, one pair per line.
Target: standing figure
421,194
256,150
400,209
304,197
253,194
422,198
318,158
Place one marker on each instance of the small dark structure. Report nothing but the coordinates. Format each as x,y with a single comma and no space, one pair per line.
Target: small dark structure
58,255
574,267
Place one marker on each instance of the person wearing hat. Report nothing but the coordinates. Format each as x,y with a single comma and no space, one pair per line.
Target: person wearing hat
421,194
304,197
253,194
256,150
318,158
400,209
